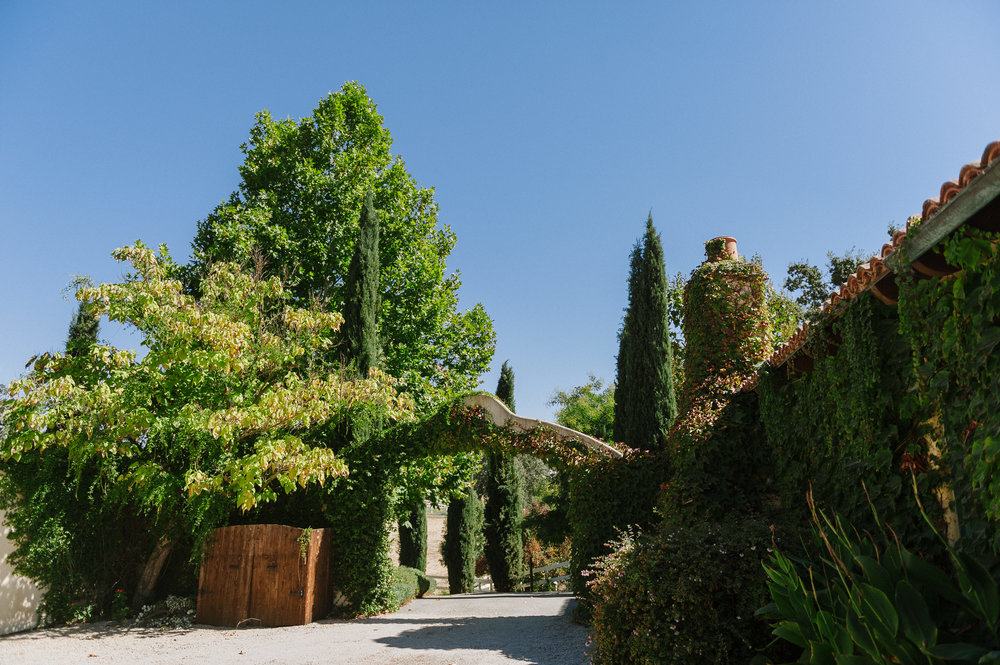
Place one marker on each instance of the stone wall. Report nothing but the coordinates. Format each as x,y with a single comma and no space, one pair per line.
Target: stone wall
19,597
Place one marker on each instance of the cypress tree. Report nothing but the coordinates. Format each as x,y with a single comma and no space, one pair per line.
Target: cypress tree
413,536
463,542
504,505
645,402
83,329
362,295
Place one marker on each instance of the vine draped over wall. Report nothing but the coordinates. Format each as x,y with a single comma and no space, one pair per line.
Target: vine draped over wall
845,429
953,325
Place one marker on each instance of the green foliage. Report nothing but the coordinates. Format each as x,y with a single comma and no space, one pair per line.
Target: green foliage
82,330
727,330
297,211
952,325
463,542
645,404
505,386
222,413
869,599
413,536
607,496
682,595
846,423
807,280
589,408
409,583
503,516
363,295
504,505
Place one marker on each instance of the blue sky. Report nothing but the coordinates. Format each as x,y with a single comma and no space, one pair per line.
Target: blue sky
549,131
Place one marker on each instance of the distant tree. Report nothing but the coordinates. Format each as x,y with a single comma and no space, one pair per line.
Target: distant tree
363,295
645,401
843,266
413,537
83,329
504,505
589,408
806,280
463,542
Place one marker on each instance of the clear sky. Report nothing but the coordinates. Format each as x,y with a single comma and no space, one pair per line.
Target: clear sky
548,129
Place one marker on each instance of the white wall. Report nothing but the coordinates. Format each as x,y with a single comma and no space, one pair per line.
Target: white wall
19,597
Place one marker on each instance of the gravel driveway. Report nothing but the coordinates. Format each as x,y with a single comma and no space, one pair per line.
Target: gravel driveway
474,629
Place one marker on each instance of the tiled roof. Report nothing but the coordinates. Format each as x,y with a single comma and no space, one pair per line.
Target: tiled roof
875,269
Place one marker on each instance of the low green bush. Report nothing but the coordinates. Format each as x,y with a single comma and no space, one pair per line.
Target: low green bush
682,595
409,583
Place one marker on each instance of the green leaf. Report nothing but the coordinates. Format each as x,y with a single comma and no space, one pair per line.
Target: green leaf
956,651
979,586
791,632
833,632
987,341
876,574
879,611
847,659
820,654
991,657
914,615
861,635
931,578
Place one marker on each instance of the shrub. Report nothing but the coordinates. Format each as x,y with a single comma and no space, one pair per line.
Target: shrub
463,542
598,507
409,583
682,595
851,600
413,536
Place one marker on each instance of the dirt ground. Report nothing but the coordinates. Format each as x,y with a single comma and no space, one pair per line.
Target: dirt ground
470,629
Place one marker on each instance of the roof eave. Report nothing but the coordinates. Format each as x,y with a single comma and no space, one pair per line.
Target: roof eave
973,198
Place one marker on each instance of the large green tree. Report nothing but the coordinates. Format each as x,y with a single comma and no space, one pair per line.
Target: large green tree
225,410
296,214
645,401
504,505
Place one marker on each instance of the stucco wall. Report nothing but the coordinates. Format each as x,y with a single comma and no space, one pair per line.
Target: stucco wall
19,597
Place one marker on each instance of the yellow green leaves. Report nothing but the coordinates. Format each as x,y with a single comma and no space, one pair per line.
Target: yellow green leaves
224,402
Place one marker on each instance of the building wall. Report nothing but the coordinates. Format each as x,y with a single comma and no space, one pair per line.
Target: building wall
19,597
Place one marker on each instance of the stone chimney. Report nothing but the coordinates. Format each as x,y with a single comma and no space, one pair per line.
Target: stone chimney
723,247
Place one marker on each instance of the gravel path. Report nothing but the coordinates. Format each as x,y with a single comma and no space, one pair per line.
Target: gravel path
474,629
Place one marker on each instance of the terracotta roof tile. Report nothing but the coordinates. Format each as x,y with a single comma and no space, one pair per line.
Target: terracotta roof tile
875,269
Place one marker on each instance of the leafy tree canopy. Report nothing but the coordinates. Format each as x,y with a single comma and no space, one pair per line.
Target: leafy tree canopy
806,280
589,408
298,206
219,413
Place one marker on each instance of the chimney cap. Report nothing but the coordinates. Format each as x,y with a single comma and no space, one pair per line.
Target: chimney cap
721,247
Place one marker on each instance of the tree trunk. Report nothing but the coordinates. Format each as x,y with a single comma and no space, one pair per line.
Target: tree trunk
151,572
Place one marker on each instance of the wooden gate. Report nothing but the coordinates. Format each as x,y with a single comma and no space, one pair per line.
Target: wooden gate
265,575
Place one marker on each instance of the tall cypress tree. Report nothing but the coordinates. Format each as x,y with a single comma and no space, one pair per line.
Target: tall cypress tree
413,535
362,295
504,505
463,542
645,402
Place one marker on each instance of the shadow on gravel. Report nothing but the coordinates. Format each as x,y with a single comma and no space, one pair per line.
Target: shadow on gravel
542,640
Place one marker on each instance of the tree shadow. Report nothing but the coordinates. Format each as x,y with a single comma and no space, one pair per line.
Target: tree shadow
542,639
